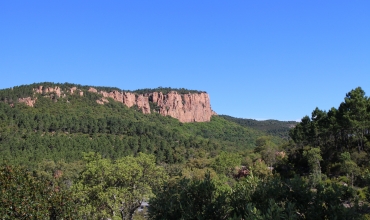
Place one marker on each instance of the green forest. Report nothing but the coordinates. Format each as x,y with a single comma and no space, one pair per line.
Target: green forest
271,127
69,157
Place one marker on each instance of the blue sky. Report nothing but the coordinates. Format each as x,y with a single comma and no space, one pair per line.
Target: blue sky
256,59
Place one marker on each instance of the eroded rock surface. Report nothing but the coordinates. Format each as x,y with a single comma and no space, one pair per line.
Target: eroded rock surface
45,90
142,103
92,90
192,107
28,101
73,89
129,99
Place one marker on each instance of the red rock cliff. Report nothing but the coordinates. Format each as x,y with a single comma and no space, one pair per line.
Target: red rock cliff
126,98
44,90
192,107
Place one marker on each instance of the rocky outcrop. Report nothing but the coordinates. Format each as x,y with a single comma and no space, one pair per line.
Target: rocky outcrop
92,90
142,103
129,99
49,92
45,90
28,101
38,89
192,107
102,101
73,89
115,95
56,90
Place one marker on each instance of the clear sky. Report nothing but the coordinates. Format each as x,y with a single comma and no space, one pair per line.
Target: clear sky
256,59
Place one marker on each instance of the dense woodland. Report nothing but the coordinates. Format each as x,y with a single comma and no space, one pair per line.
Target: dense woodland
271,127
62,128
71,158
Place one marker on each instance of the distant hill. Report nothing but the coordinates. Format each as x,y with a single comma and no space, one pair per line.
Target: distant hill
60,121
185,105
271,127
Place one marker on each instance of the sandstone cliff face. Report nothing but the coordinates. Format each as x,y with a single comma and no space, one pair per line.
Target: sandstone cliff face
92,90
192,107
30,101
58,92
127,98
142,103
73,89
44,90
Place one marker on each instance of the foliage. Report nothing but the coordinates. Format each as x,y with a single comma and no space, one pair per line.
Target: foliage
348,166
267,149
225,163
271,127
61,128
253,198
197,173
260,169
313,158
116,188
60,173
26,197
337,131
185,170
189,199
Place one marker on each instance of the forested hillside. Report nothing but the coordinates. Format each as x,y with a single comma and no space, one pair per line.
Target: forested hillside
271,127
63,127
69,157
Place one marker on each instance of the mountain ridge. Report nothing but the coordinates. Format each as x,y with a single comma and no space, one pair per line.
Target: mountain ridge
185,105
270,126
60,127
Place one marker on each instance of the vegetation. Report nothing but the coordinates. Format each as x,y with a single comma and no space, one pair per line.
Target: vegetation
71,158
62,128
254,198
116,188
166,90
341,135
24,196
321,173
271,127
11,95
